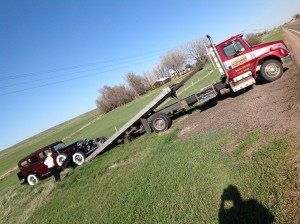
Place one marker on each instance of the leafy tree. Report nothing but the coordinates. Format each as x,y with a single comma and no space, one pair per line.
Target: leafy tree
174,60
296,16
196,51
160,71
148,80
253,39
136,83
113,97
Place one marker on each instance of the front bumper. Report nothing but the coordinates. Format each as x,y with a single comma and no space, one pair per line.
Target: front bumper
23,181
285,60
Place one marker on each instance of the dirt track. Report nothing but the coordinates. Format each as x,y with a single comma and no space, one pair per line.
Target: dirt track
270,107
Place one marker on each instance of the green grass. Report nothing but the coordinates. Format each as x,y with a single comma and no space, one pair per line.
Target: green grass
159,179
156,178
115,119
276,34
10,157
106,126
110,122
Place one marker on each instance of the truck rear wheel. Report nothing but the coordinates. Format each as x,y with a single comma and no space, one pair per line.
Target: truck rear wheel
271,70
160,122
32,179
78,158
60,159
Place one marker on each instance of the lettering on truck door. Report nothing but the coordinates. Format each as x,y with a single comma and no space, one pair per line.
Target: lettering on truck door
238,58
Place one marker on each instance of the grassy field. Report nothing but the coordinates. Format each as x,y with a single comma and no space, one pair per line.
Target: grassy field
157,178
276,34
10,156
160,179
106,125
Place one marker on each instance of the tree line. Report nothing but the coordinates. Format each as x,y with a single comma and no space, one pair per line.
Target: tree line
174,62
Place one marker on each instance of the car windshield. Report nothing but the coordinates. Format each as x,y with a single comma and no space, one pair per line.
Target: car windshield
58,146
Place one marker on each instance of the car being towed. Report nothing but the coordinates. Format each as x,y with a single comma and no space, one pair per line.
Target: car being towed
32,167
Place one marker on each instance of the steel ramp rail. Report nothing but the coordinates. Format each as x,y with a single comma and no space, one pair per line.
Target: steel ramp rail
166,93
158,100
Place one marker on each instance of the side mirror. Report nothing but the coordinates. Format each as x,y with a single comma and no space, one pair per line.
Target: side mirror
238,52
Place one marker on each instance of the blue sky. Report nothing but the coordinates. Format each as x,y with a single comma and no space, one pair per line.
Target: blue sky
56,54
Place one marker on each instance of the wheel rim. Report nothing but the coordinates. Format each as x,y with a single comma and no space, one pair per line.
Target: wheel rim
32,179
272,70
61,160
78,159
159,124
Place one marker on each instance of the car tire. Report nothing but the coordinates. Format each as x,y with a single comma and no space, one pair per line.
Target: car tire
60,159
78,158
32,179
160,122
271,70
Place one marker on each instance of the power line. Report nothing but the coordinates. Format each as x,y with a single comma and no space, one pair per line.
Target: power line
67,80
9,77
72,73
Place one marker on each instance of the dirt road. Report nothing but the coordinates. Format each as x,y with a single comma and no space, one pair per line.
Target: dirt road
292,34
270,107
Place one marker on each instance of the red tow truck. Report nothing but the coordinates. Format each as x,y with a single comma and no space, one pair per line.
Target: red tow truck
239,64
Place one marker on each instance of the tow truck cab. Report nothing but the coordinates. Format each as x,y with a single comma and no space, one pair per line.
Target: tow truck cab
243,63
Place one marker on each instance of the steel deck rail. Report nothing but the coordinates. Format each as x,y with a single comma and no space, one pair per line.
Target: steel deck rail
144,113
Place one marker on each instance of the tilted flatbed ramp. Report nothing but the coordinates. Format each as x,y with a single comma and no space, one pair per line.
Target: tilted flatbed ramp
166,93
158,100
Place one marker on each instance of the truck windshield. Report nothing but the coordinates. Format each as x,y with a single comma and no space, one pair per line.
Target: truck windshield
233,48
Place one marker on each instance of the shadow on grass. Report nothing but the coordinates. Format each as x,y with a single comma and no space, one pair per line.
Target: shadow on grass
233,209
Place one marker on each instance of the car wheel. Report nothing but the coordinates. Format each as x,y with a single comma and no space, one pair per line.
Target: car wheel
78,158
160,122
60,159
32,179
271,70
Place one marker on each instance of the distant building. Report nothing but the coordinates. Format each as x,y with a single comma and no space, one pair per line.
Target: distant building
161,81
174,76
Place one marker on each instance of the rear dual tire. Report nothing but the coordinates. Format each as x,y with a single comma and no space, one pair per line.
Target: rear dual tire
160,122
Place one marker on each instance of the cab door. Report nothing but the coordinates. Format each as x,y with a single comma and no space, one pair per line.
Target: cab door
237,58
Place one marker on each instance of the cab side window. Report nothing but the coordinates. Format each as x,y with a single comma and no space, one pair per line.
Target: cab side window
32,159
24,163
44,153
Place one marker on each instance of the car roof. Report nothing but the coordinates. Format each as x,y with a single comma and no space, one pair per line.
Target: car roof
37,151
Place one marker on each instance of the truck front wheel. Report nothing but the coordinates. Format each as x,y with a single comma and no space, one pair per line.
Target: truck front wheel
160,122
78,158
271,70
